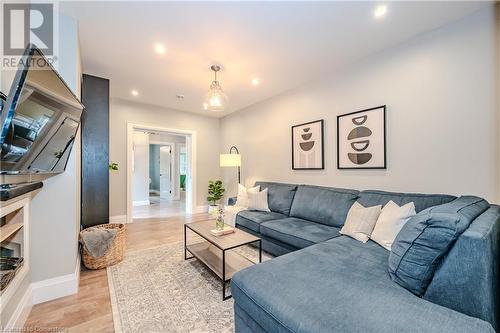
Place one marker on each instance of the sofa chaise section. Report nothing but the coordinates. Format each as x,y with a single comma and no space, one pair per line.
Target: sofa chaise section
340,285
334,283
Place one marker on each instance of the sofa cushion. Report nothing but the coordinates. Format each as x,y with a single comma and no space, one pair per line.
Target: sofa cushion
280,196
325,205
427,237
421,201
298,232
252,219
340,285
467,280
360,222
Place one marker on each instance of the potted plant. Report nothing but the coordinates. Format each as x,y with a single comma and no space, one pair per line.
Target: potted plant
215,193
113,166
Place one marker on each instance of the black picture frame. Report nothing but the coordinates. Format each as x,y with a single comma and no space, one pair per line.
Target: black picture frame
382,167
322,125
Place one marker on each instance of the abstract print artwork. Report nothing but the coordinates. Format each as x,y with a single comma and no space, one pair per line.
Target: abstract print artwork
307,146
361,139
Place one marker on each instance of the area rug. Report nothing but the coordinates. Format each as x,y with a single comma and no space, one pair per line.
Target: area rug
156,290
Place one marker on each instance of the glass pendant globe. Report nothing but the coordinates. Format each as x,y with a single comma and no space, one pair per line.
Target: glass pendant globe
215,99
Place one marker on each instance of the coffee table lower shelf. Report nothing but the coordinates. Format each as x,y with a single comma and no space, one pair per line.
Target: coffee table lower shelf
223,263
212,257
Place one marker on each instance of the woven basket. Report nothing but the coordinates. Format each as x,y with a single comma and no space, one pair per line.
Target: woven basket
113,255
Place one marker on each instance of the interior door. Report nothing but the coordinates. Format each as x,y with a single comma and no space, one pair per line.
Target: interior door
166,172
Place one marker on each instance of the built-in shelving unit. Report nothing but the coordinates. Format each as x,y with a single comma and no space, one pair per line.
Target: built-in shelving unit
8,230
14,239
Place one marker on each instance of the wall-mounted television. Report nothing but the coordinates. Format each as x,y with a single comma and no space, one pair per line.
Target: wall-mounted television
39,119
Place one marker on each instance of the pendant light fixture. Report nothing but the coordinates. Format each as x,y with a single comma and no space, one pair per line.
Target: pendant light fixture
215,99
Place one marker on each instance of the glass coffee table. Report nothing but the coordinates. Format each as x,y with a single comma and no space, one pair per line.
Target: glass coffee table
215,252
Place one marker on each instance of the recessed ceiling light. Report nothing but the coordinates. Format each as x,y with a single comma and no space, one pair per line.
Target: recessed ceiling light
380,11
205,106
134,93
160,48
255,81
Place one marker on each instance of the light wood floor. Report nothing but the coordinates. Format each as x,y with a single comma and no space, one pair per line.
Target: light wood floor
90,309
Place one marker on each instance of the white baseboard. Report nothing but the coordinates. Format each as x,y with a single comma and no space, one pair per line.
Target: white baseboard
57,287
140,203
200,209
42,291
21,313
118,219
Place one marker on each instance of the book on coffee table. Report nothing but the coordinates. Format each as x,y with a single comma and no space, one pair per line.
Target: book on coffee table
227,230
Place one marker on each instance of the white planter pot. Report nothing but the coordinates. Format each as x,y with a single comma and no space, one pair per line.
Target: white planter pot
212,209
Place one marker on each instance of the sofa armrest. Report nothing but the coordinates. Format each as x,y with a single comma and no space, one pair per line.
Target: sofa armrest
231,201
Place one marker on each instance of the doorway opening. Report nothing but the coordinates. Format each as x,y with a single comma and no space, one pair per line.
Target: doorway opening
161,172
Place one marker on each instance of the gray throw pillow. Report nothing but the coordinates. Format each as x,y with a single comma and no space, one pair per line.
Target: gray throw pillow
427,237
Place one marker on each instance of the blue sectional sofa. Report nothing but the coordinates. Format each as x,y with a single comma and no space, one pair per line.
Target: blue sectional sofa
322,281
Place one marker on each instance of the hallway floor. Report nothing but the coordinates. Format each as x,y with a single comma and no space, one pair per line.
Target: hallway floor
160,208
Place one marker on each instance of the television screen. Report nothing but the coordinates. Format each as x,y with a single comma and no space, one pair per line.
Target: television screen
39,120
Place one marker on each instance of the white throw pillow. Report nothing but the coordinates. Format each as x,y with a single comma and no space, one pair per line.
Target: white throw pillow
242,198
361,221
258,201
389,223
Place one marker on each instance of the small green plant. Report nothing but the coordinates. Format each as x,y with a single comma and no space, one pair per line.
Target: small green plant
113,166
215,191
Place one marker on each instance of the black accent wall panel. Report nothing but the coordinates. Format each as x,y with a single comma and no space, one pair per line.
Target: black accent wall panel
95,151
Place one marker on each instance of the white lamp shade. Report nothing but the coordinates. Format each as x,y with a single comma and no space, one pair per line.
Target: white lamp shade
230,160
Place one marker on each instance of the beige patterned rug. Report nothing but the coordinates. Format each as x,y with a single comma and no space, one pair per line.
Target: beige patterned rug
156,290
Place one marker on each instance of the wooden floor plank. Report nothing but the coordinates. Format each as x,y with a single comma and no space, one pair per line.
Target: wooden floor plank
90,309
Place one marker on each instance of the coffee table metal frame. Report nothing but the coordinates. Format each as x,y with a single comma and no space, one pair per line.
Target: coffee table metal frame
223,277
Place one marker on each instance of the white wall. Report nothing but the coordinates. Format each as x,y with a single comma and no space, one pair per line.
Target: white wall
140,176
440,90
56,209
207,142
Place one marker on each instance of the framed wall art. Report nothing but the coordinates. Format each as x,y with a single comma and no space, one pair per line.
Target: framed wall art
361,139
307,146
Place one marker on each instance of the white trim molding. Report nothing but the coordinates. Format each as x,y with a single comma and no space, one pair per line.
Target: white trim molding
118,219
43,291
60,286
191,157
21,312
140,203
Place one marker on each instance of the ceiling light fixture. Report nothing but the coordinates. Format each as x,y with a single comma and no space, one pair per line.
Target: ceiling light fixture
255,81
134,93
160,48
215,99
380,11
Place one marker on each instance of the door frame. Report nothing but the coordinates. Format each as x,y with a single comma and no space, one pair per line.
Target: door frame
191,163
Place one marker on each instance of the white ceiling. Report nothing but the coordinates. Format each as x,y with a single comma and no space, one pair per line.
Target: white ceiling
284,44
